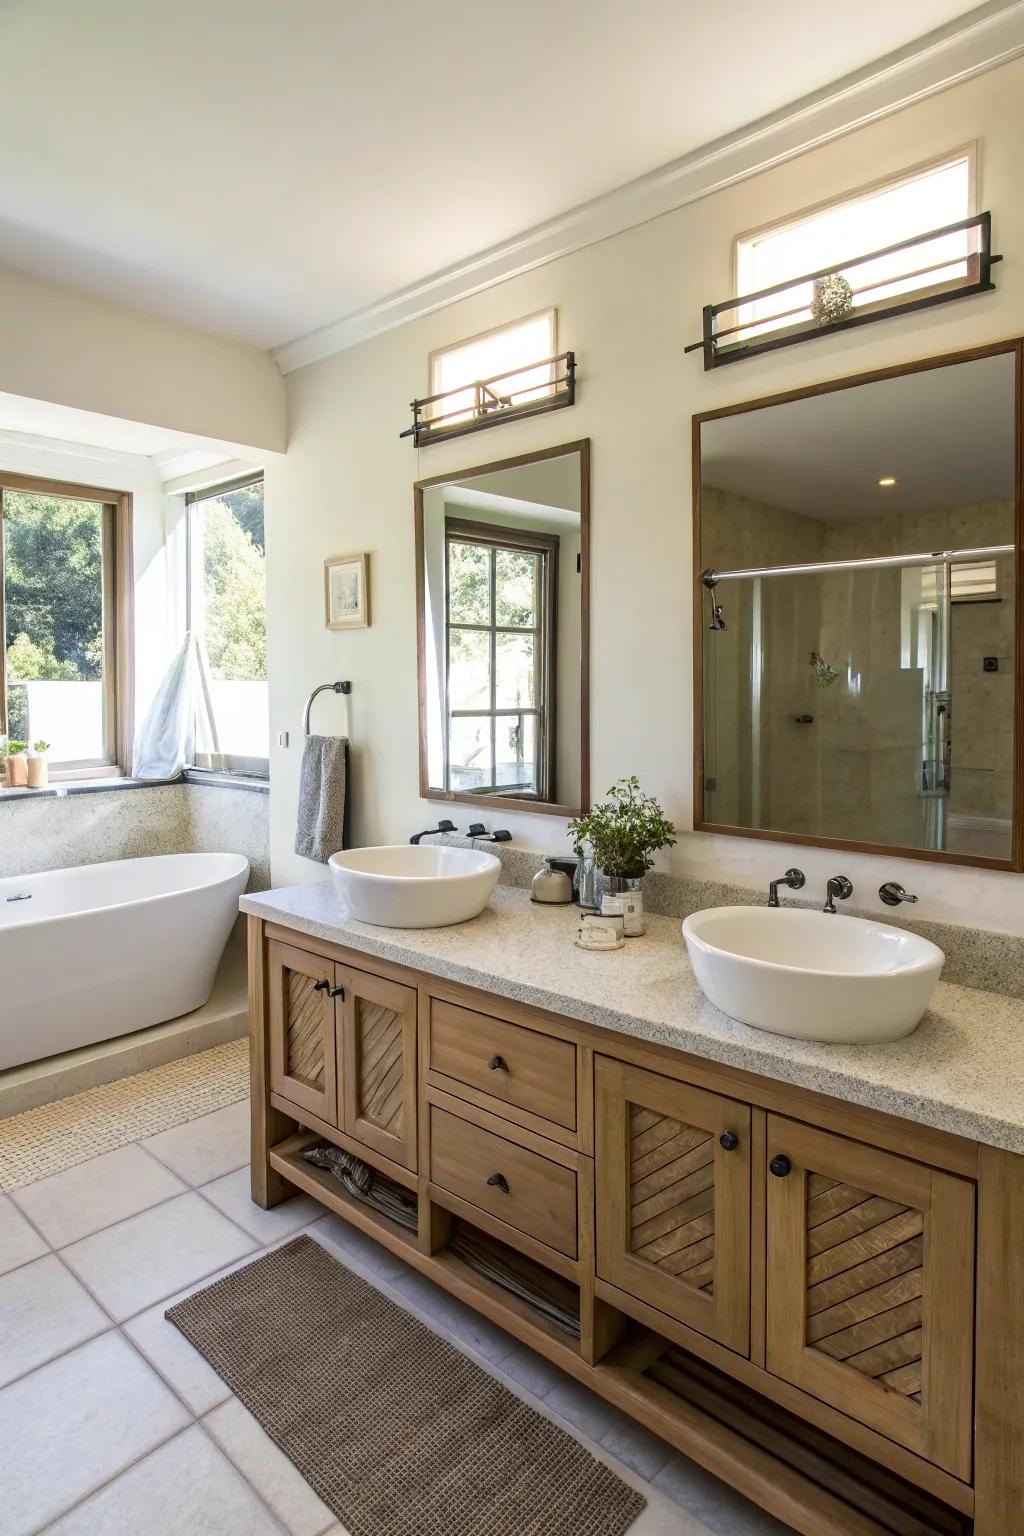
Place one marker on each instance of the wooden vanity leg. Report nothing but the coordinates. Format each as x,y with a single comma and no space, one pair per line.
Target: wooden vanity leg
999,1394
269,1125
601,1325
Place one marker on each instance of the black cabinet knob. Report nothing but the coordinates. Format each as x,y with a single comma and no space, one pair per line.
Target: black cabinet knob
337,992
729,1140
498,1064
780,1166
499,1181
320,986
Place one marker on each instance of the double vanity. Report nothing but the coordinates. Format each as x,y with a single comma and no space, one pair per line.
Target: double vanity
800,1263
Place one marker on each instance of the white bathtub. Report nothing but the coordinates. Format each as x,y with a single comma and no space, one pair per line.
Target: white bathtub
87,954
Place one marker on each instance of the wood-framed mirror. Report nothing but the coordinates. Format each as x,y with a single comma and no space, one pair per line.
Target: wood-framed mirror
857,627
503,620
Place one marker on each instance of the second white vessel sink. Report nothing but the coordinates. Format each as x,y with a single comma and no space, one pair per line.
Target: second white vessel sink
813,975
411,886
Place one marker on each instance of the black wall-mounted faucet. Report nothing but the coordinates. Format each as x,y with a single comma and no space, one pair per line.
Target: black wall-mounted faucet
442,826
794,878
892,893
478,831
837,886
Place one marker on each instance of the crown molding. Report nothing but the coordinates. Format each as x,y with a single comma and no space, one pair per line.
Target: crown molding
989,36
32,442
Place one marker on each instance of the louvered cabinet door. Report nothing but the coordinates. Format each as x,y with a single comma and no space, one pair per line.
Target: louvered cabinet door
377,1050
673,1199
302,1033
871,1288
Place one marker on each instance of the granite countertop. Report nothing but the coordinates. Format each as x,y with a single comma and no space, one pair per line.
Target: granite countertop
962,1070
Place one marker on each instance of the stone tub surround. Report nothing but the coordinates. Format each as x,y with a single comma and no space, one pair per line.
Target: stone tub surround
962,1070
975,957
70,825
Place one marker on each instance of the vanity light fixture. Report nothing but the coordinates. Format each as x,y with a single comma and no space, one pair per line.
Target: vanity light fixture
788,312
499,398
887,480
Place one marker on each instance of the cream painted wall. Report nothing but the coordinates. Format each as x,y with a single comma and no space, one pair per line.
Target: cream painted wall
56,344
627,306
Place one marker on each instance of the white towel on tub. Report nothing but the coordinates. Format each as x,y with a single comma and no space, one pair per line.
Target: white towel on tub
320,824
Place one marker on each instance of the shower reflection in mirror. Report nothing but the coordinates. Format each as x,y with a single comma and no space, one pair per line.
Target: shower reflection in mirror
856,560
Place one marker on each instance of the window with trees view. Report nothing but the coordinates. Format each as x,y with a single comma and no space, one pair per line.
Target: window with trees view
59,603
501,585
227,600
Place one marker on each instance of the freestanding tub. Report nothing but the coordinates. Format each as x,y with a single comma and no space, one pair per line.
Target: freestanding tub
88,954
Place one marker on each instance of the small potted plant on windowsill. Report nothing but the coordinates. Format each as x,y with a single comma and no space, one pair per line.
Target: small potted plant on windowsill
17,765
38,771
622,833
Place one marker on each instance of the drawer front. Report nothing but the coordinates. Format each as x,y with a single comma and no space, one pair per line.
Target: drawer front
512,1065
519,1187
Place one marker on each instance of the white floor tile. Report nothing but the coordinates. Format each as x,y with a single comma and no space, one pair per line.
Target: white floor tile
43,1312
205,1149
154,1254
170,1353
73,1424
94,1195
276,1479
186,1488
358,1252
723,1511
18,1243
231,1195
446,1314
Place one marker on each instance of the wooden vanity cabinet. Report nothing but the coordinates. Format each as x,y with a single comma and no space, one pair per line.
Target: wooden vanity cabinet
301,1027
673,1198
342,1047
377,1051
819,1303
870,1287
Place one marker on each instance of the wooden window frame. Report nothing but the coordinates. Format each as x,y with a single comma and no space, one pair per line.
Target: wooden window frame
118,624
493,537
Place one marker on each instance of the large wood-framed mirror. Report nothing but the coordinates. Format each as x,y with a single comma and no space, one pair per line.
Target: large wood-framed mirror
857,630
503,603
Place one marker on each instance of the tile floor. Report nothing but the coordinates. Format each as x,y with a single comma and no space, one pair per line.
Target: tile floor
111,1424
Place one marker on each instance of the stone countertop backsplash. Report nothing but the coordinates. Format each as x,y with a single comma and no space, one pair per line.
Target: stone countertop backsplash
975,957
962,1070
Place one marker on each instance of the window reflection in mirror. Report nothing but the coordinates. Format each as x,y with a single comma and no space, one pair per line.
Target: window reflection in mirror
858,546
502,589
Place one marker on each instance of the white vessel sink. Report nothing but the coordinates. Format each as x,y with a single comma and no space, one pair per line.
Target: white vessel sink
410,886
813,975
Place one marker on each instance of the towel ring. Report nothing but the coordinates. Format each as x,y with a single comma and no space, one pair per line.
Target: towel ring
323,688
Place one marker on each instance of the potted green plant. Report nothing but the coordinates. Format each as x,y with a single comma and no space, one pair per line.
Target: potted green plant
38,772
17,764
622,833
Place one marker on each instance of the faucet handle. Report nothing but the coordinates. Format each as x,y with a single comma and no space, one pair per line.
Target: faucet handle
892,893
839,886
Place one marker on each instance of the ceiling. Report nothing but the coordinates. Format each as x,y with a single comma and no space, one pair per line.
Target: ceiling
261,169
945,435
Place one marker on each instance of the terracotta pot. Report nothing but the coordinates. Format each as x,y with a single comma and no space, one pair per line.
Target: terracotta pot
38,773
17,771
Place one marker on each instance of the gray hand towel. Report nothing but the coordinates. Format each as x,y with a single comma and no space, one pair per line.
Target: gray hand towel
320,825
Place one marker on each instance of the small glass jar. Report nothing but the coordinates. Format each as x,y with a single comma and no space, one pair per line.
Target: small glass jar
586,881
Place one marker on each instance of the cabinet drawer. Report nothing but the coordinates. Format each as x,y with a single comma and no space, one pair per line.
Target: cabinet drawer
512,1065
519,1187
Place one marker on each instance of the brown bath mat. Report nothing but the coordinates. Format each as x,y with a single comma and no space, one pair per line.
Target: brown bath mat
399,1433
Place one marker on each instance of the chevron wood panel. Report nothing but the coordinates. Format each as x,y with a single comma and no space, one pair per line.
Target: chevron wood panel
672,1196
304,1048
865,1283
381,1066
